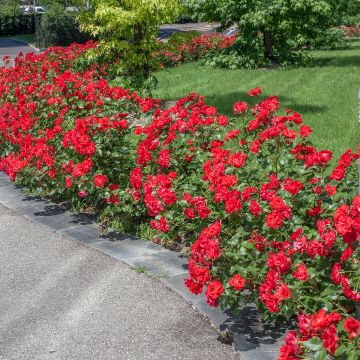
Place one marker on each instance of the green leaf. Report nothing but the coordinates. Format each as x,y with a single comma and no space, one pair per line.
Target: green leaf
320,355
340,350
314,344
247,245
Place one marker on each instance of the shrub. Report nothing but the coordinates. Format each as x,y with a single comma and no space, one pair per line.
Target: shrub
68,128
351,31
260,214
188,47
14,22
333,38
251,200
60,27
127,34
275,28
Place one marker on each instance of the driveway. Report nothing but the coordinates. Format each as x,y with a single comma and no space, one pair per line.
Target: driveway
204,28
61,300
12,47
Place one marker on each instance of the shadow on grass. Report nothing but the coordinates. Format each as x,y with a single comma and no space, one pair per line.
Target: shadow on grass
224,103
337,61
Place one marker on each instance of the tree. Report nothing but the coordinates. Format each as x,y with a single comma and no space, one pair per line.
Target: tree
127,31
281,26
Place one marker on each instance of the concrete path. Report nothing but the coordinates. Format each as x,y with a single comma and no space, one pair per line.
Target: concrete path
62,300
12,47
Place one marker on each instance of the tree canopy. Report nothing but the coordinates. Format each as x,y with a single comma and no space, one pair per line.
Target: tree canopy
281,26
127,30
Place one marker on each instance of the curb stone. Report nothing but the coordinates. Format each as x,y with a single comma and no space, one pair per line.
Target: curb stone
253,339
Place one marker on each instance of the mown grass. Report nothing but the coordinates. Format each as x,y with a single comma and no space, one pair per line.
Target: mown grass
326,94
28,38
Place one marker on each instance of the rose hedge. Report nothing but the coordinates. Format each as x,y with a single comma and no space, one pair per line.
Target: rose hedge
183,48
262,213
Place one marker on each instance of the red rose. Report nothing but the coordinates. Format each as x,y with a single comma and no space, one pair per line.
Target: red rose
292,186
82,194
222,120
255,92
100,180
160,225
255,208
335,273
255,146
274,220
68,182
282,292
237,282
352,326
301,273
190,213
279,262
194,287
164,158
338,173
200,274
213,292
331,190
240,107
330,339
305,131
237,159
232,134
325,156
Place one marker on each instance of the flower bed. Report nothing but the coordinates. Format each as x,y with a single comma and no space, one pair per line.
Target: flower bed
351,31
183,48
254,203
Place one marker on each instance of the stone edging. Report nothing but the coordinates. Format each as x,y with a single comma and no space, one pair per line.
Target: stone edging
253,339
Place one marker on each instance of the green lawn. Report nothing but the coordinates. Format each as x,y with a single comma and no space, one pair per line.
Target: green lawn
28,38
325,94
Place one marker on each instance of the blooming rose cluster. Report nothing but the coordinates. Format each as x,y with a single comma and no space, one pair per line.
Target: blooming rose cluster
257,206
190,49
278,216
330,328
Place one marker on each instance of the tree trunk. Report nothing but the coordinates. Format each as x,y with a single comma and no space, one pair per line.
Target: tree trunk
138,37
269,54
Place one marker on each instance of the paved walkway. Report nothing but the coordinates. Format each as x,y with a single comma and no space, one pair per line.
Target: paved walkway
62,300
13,47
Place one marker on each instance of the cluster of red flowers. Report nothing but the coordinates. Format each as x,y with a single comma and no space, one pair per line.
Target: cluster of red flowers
204,252
250,197
286,212
57,123
321,325
190,49
351,31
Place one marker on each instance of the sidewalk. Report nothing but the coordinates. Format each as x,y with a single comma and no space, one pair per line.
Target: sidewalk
62,300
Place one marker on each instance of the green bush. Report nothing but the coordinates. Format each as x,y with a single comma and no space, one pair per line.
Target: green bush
14,22
332,38
60,27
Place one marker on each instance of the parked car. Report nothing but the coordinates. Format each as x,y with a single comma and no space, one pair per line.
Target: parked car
33,9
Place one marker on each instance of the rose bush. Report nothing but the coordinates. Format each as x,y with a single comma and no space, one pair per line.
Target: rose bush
263,215
275,219
189,47
62,130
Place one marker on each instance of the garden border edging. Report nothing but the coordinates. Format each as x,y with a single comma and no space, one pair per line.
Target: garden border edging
253,339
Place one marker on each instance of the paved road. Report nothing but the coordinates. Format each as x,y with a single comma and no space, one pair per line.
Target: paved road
204,28
62,300
13,47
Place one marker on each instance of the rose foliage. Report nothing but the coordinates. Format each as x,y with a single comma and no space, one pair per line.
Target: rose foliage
264,216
